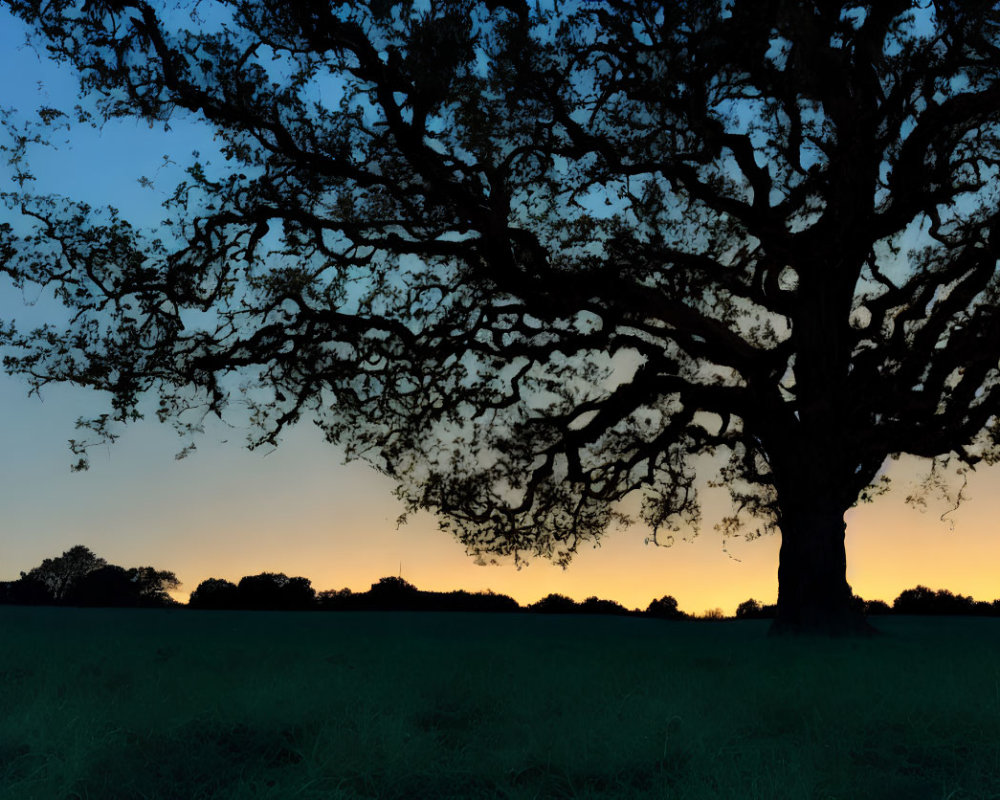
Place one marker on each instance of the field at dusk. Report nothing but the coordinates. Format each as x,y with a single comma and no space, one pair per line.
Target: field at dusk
118,704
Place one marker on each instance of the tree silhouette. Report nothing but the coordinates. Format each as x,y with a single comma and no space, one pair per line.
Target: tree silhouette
59,574
79,577
337,600
529,261
106,586
479,602
877,607
152,585
275,591
596,605
665,608
749,609
921,600
982,608
29,591
392,593
555,603
396,594
215,593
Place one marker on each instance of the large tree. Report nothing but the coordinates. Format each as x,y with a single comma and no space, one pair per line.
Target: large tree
530,261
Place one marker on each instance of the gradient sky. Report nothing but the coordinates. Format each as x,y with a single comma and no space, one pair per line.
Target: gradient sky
225,512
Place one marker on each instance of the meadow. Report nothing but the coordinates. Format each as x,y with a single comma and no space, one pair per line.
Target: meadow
115,704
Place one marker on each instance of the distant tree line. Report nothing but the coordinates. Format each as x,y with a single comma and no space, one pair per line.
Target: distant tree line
918,601
277,591
80,578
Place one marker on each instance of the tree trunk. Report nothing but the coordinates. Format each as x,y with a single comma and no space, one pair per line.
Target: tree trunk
813,594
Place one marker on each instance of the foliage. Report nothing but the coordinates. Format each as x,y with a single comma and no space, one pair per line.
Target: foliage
395,594
79,577
335,599
28,591
112,585
214,593
921,600
479,601
106,586
665,608
392,593
152,585
59,574
877,607
555,603
749,609
275,590
595,605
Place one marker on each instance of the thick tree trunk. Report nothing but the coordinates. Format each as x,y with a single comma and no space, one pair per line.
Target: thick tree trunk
813,594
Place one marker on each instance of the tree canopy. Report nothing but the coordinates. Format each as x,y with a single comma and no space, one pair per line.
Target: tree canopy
79,577
530,261
274,590
59,574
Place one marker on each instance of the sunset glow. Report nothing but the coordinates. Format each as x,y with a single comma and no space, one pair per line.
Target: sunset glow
225,512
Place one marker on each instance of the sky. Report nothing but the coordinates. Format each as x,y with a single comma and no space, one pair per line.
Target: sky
225,512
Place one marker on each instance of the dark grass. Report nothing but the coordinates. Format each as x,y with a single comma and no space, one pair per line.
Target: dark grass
180,704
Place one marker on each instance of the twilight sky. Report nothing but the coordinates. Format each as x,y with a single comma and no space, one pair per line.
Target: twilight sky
225,512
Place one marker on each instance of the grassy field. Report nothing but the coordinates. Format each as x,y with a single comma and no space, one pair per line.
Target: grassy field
180,704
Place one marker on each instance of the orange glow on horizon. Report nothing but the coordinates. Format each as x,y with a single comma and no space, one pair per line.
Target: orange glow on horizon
225,513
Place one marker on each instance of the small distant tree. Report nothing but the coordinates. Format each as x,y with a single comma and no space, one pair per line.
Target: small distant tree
153,585
982,608
392,594
275,591
109,585
595,605
393,585
921,600
665,608
955,603
876,608
261,591
298,594
336,599
713,614
29,590
555,604
749,609
917,600
215,593
59,574
487,601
